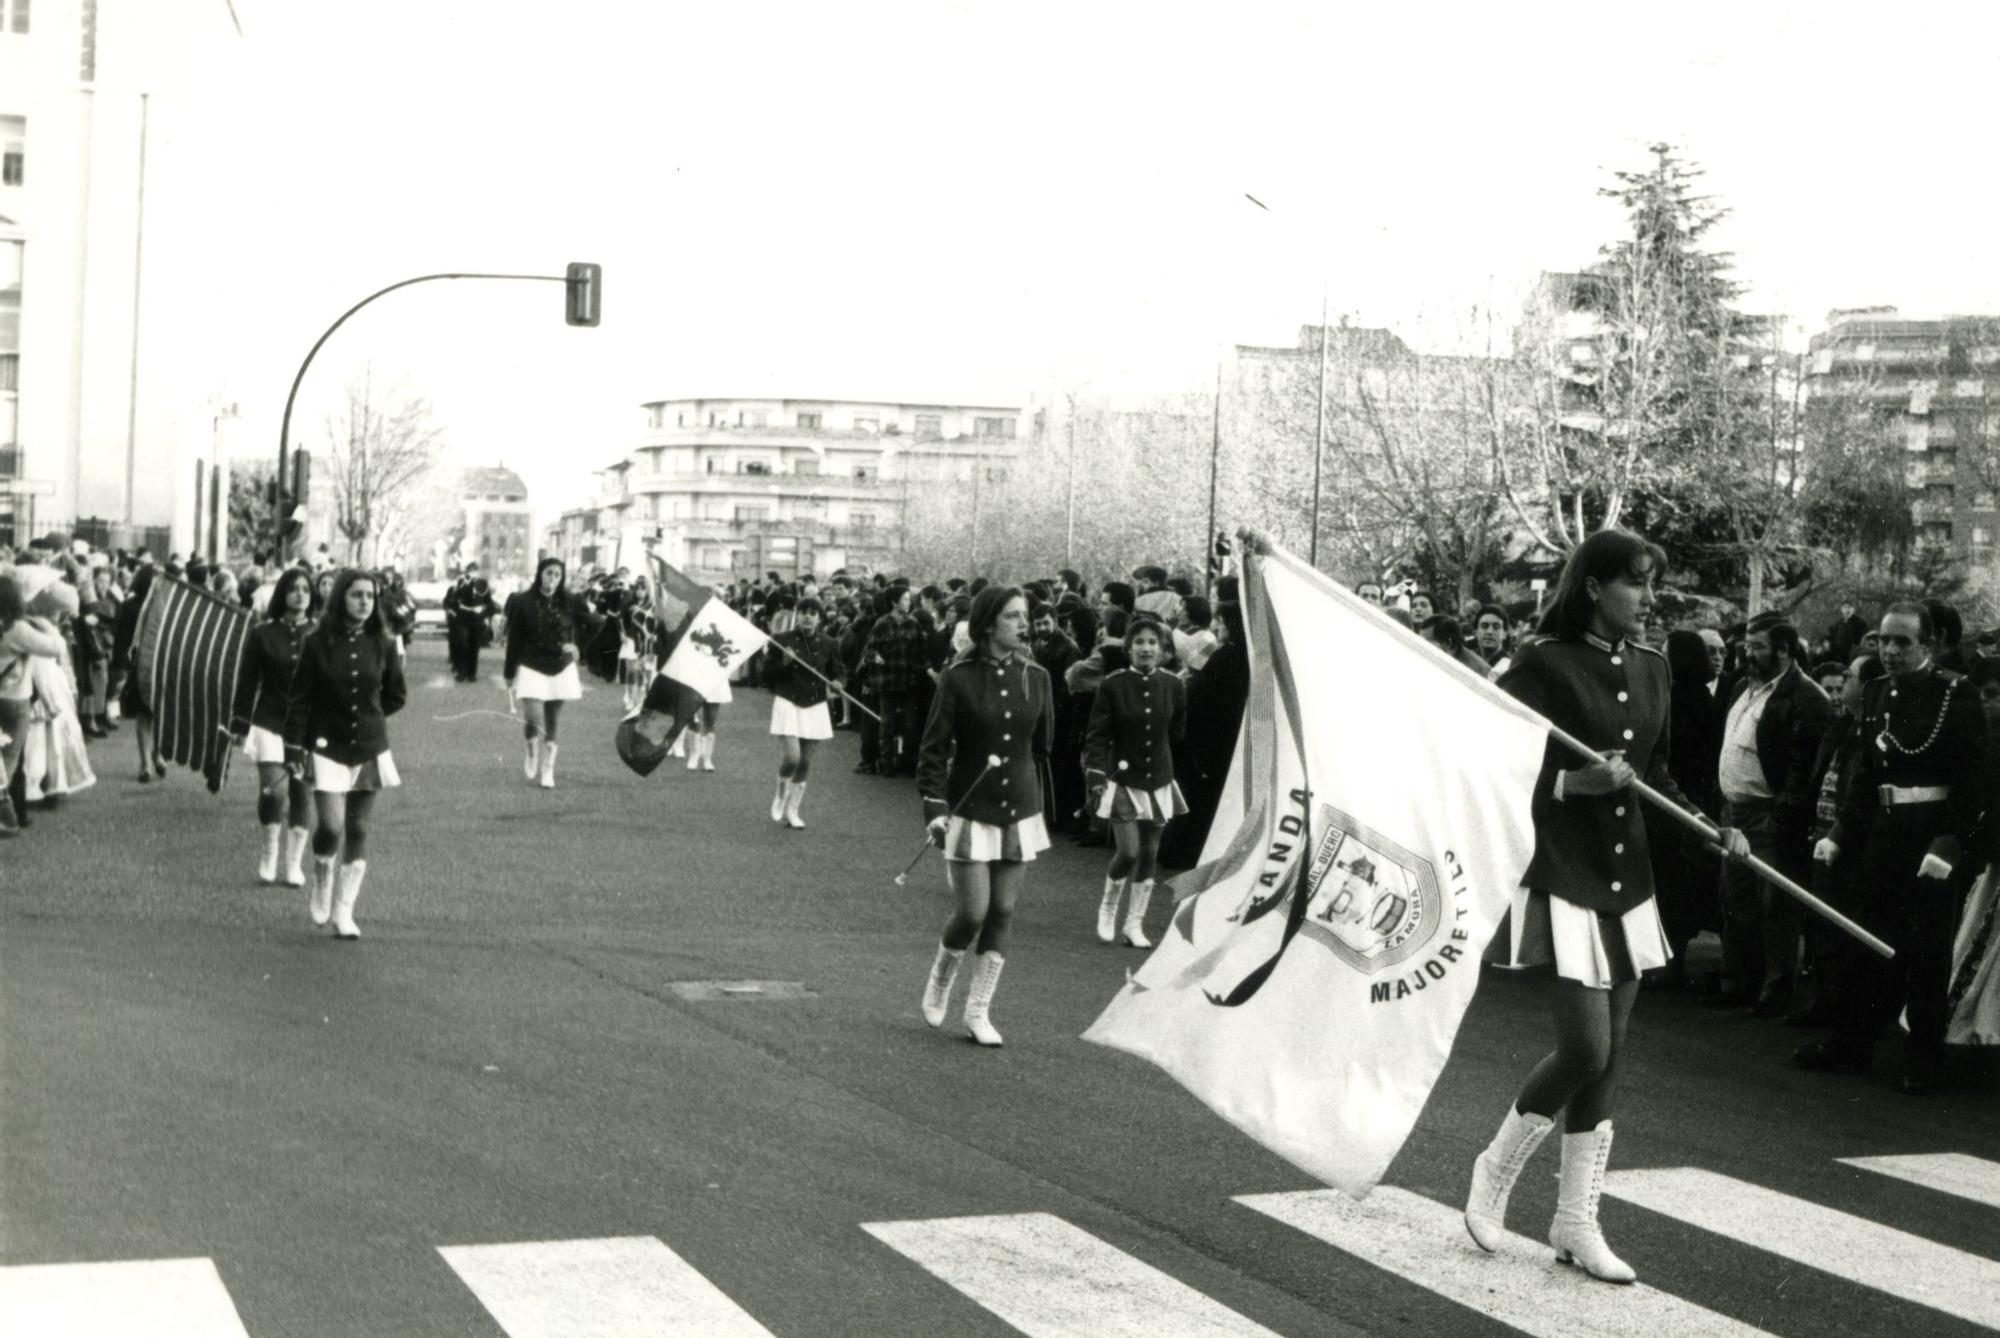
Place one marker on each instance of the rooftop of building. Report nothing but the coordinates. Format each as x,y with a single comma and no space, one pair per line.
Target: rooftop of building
491,481
811,401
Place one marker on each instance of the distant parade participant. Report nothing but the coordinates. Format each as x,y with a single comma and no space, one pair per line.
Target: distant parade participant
541,664
1138,715
991,723
1587,898
799,716
348,683
132,704
468,619
257,724
700,732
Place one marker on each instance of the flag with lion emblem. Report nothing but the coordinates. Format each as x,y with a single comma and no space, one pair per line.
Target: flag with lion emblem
702,642
1374,826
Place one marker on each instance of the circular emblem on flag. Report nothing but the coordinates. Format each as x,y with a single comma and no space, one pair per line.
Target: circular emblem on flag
1372,902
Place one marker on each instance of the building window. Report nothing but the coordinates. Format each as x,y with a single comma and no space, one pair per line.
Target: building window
655,415
993,429
759,418
753,467
996,474
13,147
809,422
808,467
862,520
930,426
1982,500
1982,536
708,465
752,513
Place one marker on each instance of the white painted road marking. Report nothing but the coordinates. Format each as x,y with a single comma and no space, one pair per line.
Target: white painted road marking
1425,1243
1834,1242
160,1298
623,1287
1948,1172
1053,1280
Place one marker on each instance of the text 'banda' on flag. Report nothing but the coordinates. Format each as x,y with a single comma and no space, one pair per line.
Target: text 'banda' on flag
186,652
1375,824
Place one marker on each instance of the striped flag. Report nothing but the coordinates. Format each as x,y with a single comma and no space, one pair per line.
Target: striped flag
1375,823
186,653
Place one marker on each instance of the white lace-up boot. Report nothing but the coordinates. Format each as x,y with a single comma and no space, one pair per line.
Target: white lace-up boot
343,901
693,749
1135,914
267,862
531,764
1107,909
937,986
1574,1232
320,904
798,797
1494,1172
296,841
708,751
549,766
781,800
979,997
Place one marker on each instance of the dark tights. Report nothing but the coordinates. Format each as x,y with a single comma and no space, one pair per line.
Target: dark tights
797,762
538,719
986,894
281,795
1138,850
343,816
1581,1073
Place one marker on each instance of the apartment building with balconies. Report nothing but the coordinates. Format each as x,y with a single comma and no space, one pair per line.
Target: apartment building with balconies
733,488
1934,384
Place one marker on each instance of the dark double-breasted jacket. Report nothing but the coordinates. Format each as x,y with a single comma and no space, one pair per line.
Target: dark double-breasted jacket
264,682
538,628
784,677
1591,850
1134,723
987,708
346,688
1919,731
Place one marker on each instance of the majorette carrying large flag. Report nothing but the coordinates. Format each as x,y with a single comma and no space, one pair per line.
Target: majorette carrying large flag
702,640
186,652
1373,829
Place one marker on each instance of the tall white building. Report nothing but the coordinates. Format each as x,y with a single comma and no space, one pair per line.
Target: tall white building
100,426
734,488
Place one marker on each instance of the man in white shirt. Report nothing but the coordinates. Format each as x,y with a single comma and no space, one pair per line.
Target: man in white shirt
1769,743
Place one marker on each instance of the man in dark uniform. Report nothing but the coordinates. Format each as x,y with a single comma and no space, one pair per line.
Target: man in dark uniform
468,608
1909,818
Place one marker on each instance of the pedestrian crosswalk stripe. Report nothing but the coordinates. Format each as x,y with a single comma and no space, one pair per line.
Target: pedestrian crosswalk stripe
622,1287
1948,1172
1425,1243
161,1298
1834,1242
1053,1280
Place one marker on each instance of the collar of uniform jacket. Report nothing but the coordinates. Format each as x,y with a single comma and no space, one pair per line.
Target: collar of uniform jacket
1604,645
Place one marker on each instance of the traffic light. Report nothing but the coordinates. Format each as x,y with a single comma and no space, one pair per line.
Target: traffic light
583,295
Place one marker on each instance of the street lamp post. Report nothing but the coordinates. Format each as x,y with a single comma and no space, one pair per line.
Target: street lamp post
582,309
1319,432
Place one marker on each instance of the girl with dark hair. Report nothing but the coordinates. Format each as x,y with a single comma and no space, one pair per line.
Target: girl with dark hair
1138,715
131,705
1586,901
799,718
263,692
990,728
541,664
349,681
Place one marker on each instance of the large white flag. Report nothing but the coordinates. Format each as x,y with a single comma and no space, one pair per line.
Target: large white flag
1375,825
703,639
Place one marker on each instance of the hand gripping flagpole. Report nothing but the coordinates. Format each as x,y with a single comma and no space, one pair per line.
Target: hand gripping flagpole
1261,544
992,761
824,679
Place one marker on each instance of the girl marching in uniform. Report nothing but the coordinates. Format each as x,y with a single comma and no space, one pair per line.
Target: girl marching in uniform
348,683
799,717
1586,902
541,664
263,692
991,722
1137,717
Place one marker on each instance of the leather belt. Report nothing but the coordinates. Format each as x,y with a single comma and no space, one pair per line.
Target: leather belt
1894,796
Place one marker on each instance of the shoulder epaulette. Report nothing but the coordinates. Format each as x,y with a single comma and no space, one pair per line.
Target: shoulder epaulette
1650,650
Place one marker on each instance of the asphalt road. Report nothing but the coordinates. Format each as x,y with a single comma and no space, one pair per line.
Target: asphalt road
514,1053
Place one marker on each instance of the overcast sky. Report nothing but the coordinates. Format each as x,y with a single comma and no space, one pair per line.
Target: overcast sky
940,201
